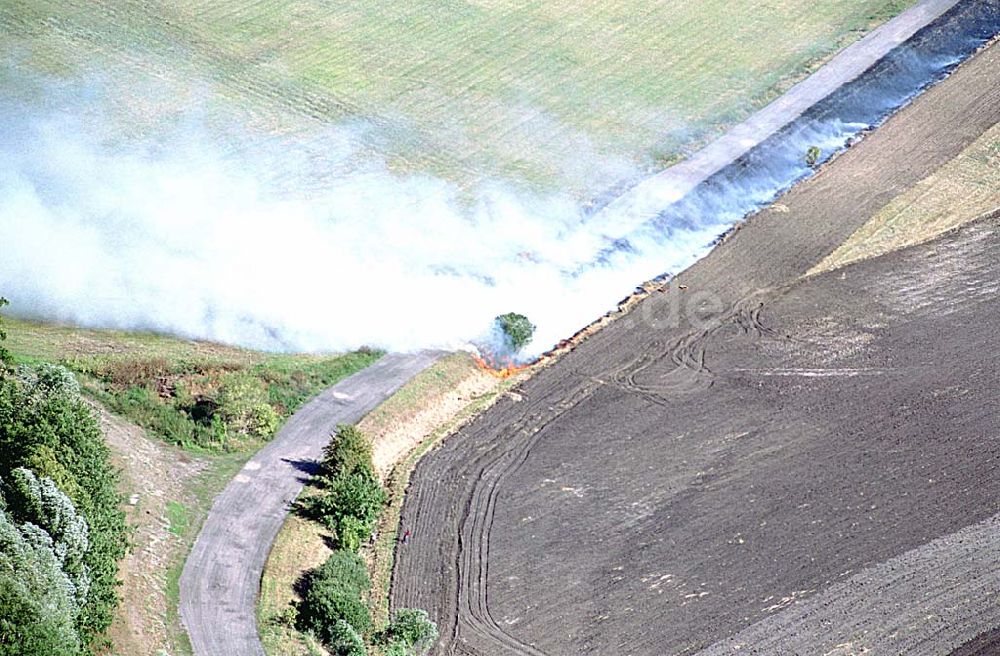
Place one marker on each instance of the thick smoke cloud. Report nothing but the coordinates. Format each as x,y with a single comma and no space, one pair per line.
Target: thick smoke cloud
309,245
253,244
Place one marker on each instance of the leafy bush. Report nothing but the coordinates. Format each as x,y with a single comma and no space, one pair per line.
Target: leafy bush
349,452
517,331
334,594
38,614
352,496
39,503
243,406
812,155
333,606
354,501
413,630
345,641
45,426
395,649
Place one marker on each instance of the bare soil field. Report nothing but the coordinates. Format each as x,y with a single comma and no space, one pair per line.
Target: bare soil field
749,460
962,190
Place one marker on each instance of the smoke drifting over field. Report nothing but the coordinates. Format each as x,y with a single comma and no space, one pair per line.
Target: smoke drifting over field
311,246
249,245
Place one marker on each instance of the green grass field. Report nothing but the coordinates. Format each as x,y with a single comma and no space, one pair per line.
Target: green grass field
552,93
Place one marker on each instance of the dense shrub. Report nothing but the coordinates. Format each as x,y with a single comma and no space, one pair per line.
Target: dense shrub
351,496
346,641
516,330
334,594
813,154
38,613
350,506
38,503
395,649
348,452
413,630
333,606
243,407
47,428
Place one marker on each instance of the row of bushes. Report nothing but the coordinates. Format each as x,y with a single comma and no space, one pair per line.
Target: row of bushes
334,607
62,531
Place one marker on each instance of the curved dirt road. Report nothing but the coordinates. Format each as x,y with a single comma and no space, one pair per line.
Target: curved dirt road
221,578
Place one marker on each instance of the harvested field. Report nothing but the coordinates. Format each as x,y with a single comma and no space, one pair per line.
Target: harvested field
567,92
749,460
960,191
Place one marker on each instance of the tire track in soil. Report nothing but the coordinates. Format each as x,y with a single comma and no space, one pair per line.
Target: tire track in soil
452,502
480,512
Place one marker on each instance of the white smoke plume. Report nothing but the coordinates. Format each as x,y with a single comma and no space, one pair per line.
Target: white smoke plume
310,245
184,234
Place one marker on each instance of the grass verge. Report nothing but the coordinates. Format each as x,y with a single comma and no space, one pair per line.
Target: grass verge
205,397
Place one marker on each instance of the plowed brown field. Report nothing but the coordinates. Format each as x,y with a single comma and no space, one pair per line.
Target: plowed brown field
750,460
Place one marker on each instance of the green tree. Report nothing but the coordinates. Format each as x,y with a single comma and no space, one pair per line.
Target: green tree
335,593
38,502
516,330
812,155
351,496
349,506
37,609
413,629
348,452
46,426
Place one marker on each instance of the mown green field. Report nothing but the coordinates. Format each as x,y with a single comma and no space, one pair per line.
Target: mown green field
557,93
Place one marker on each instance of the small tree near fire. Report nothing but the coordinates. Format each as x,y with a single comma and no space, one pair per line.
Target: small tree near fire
812,155
517,330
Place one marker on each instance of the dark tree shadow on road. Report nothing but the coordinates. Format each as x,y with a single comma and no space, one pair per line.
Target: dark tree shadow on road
309,467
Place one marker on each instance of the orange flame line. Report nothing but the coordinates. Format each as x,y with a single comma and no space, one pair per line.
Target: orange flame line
500,370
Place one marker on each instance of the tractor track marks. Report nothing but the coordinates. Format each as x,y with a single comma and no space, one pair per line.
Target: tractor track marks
693,499
478,521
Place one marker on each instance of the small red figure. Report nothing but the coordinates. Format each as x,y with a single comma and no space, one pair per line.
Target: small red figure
406,536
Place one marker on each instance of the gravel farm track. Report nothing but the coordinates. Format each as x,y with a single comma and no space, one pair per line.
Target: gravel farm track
750,461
